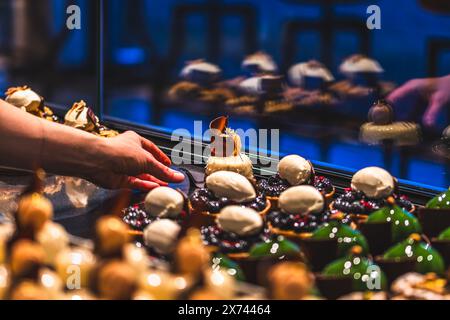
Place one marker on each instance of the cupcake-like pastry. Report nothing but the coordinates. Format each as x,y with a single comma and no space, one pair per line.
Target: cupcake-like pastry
301,210
310,81
161,236
29,101
53,238
80,116
427,259
435,216
111,235
389,225
363,83
29,290
237,230
259,63
33,211
354,269
294,170
160,203
79,260
370,189
290,281
26,259
116,281
191,256
416,286
381,127
226,153
224,188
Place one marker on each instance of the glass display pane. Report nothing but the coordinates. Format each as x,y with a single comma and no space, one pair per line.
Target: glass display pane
364,54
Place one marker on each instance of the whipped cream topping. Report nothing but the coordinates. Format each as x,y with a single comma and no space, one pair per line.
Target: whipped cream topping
201,66
374,182
53,238
295,169
24,98
260,61
314,69
240,220
231,185
80,116
162,235
360,63
301,200
253,85
164,202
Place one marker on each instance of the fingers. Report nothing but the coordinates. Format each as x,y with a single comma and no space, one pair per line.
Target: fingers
155,151
162,172
407,99
151,178
140,184
437,103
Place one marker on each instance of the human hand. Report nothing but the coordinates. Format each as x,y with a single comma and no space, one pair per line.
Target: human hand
131,161
425,96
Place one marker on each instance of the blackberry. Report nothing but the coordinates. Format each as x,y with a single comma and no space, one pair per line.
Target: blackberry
136,218
323,184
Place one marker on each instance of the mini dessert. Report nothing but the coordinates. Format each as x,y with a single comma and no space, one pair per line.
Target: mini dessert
73,260
370,189
29,101
26,259
6,232
191,256
427,259
117,281
226,154
4,281
237,230
111,236
290,281
415,286
442,147
28,290
80,116
224,188
198,84
294,170
161,236
301,210
310,80
160,203
362,85
53,238
259,63
362,273
442,245
33,211
435,216
389,225
381,127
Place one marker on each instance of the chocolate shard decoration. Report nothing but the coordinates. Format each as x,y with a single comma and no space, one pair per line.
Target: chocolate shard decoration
219,138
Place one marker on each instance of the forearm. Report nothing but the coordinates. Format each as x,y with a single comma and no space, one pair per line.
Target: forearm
28,142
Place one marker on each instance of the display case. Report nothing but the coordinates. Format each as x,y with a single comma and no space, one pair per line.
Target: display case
330,89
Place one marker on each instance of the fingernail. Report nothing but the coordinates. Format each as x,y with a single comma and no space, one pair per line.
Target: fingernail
178,175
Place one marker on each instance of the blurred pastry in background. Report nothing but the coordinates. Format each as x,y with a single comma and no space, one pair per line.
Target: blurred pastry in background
381,127
28,100
309,85
259,63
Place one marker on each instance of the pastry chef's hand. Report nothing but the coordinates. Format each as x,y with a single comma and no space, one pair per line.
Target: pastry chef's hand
131,161
425,96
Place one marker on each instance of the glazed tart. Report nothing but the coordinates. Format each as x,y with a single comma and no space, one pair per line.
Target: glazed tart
224,188
442,245
370,189
226,151
435,216
80,116
294,170
301,210
28,100
236,231
160,203
381,127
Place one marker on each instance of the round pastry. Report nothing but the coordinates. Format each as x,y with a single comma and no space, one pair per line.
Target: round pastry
26,259
294,170
224,188
111,236
161,236
164,202
382,127
237,230
370,189
6,233
136,257
33,212
259,63
53,238
200,71
310,75
301,210
415,286
117,281
226,154
24,98
191,255
29,290
290,281
75,261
